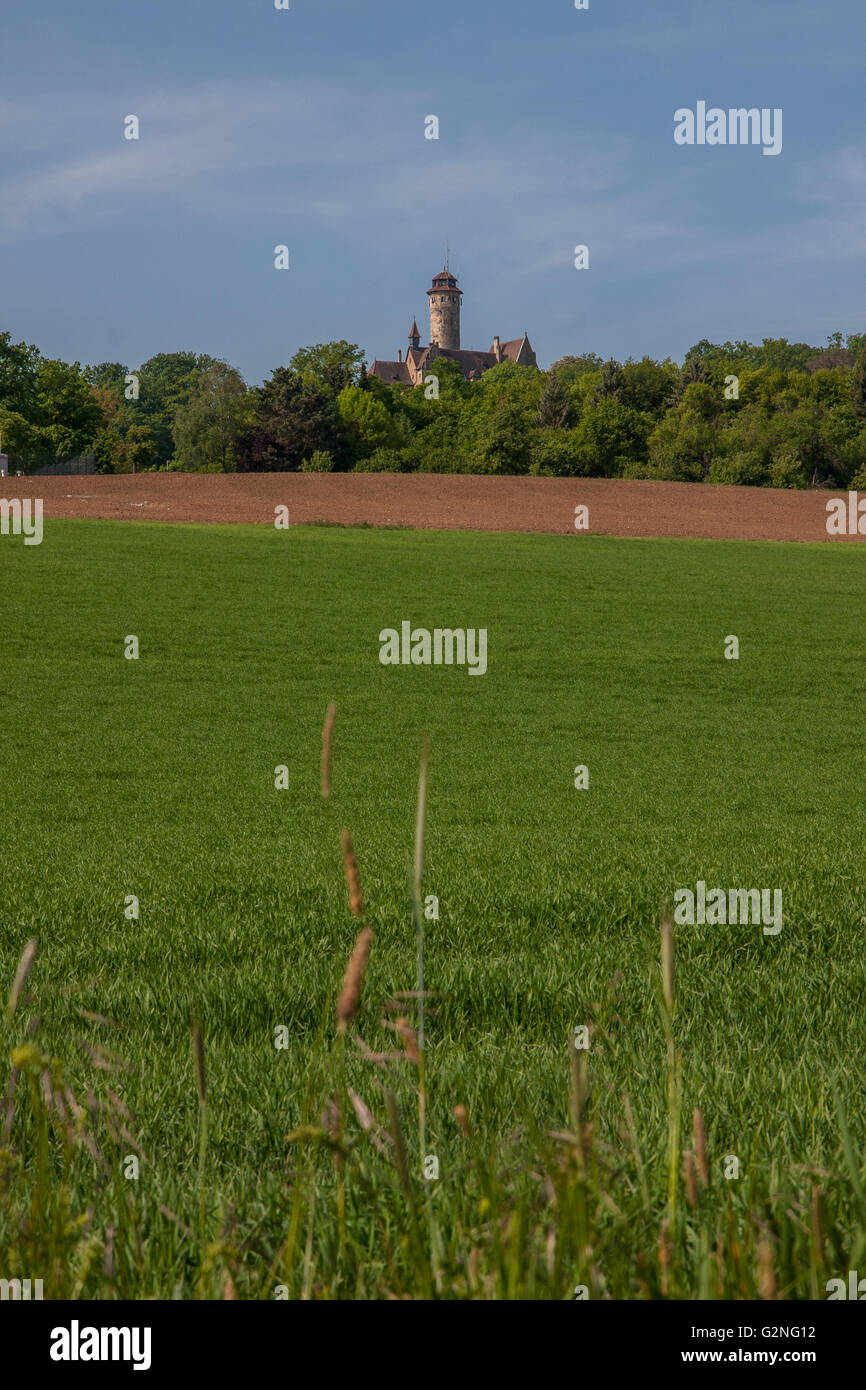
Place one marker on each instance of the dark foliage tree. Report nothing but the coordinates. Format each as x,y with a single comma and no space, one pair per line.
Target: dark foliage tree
292,419
18,375
110,376
611,381
648,385
504,440
858,384
554,406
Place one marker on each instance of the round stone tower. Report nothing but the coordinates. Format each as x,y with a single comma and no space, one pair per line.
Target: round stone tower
444,295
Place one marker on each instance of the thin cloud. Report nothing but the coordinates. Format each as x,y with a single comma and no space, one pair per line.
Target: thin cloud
310,152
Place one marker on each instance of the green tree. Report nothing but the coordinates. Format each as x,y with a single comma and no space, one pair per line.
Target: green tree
330,365
504,440
16,434
742,468
109,376
648,386
554,404
694,369
785,356
787,470
318,462
611,439
18,379
852,457
444,445
683,445
166,383
139,449
67,415
366,423
208,425
135,451
555,452
505,383
611,380
451,383
568,370
382,461
858,384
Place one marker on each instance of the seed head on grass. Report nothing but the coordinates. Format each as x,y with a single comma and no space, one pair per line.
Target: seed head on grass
353,980
700,1138
379,1136
24,967
63,1117
409,1039
329,1120
327,747
356,902
766,1271
460,1115
690,1178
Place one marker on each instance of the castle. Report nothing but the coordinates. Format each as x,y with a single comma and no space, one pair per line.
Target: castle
445,295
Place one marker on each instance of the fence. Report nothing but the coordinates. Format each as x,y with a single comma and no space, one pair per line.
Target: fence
46,465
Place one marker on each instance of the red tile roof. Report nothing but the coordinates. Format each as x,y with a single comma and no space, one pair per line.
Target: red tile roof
511,348
471,363
444,281
391,371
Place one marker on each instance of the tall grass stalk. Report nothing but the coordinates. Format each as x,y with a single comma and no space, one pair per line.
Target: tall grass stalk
347,1005
674,1059
201,1089
418,913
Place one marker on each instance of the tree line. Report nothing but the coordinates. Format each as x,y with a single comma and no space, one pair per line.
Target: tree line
780,414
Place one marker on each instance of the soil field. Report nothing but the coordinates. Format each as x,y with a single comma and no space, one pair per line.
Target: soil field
617,507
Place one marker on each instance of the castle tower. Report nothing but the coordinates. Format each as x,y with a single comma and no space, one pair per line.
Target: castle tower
444,295
415,336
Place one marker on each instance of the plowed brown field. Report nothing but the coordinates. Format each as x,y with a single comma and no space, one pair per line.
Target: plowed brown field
440,501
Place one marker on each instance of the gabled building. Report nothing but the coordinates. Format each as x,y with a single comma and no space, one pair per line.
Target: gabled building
445,295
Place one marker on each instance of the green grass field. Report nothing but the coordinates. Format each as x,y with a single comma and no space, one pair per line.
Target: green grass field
155,778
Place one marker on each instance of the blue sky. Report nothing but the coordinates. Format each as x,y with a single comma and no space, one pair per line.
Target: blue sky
306,127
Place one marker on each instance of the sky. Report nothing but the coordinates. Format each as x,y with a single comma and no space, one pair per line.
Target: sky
306,128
